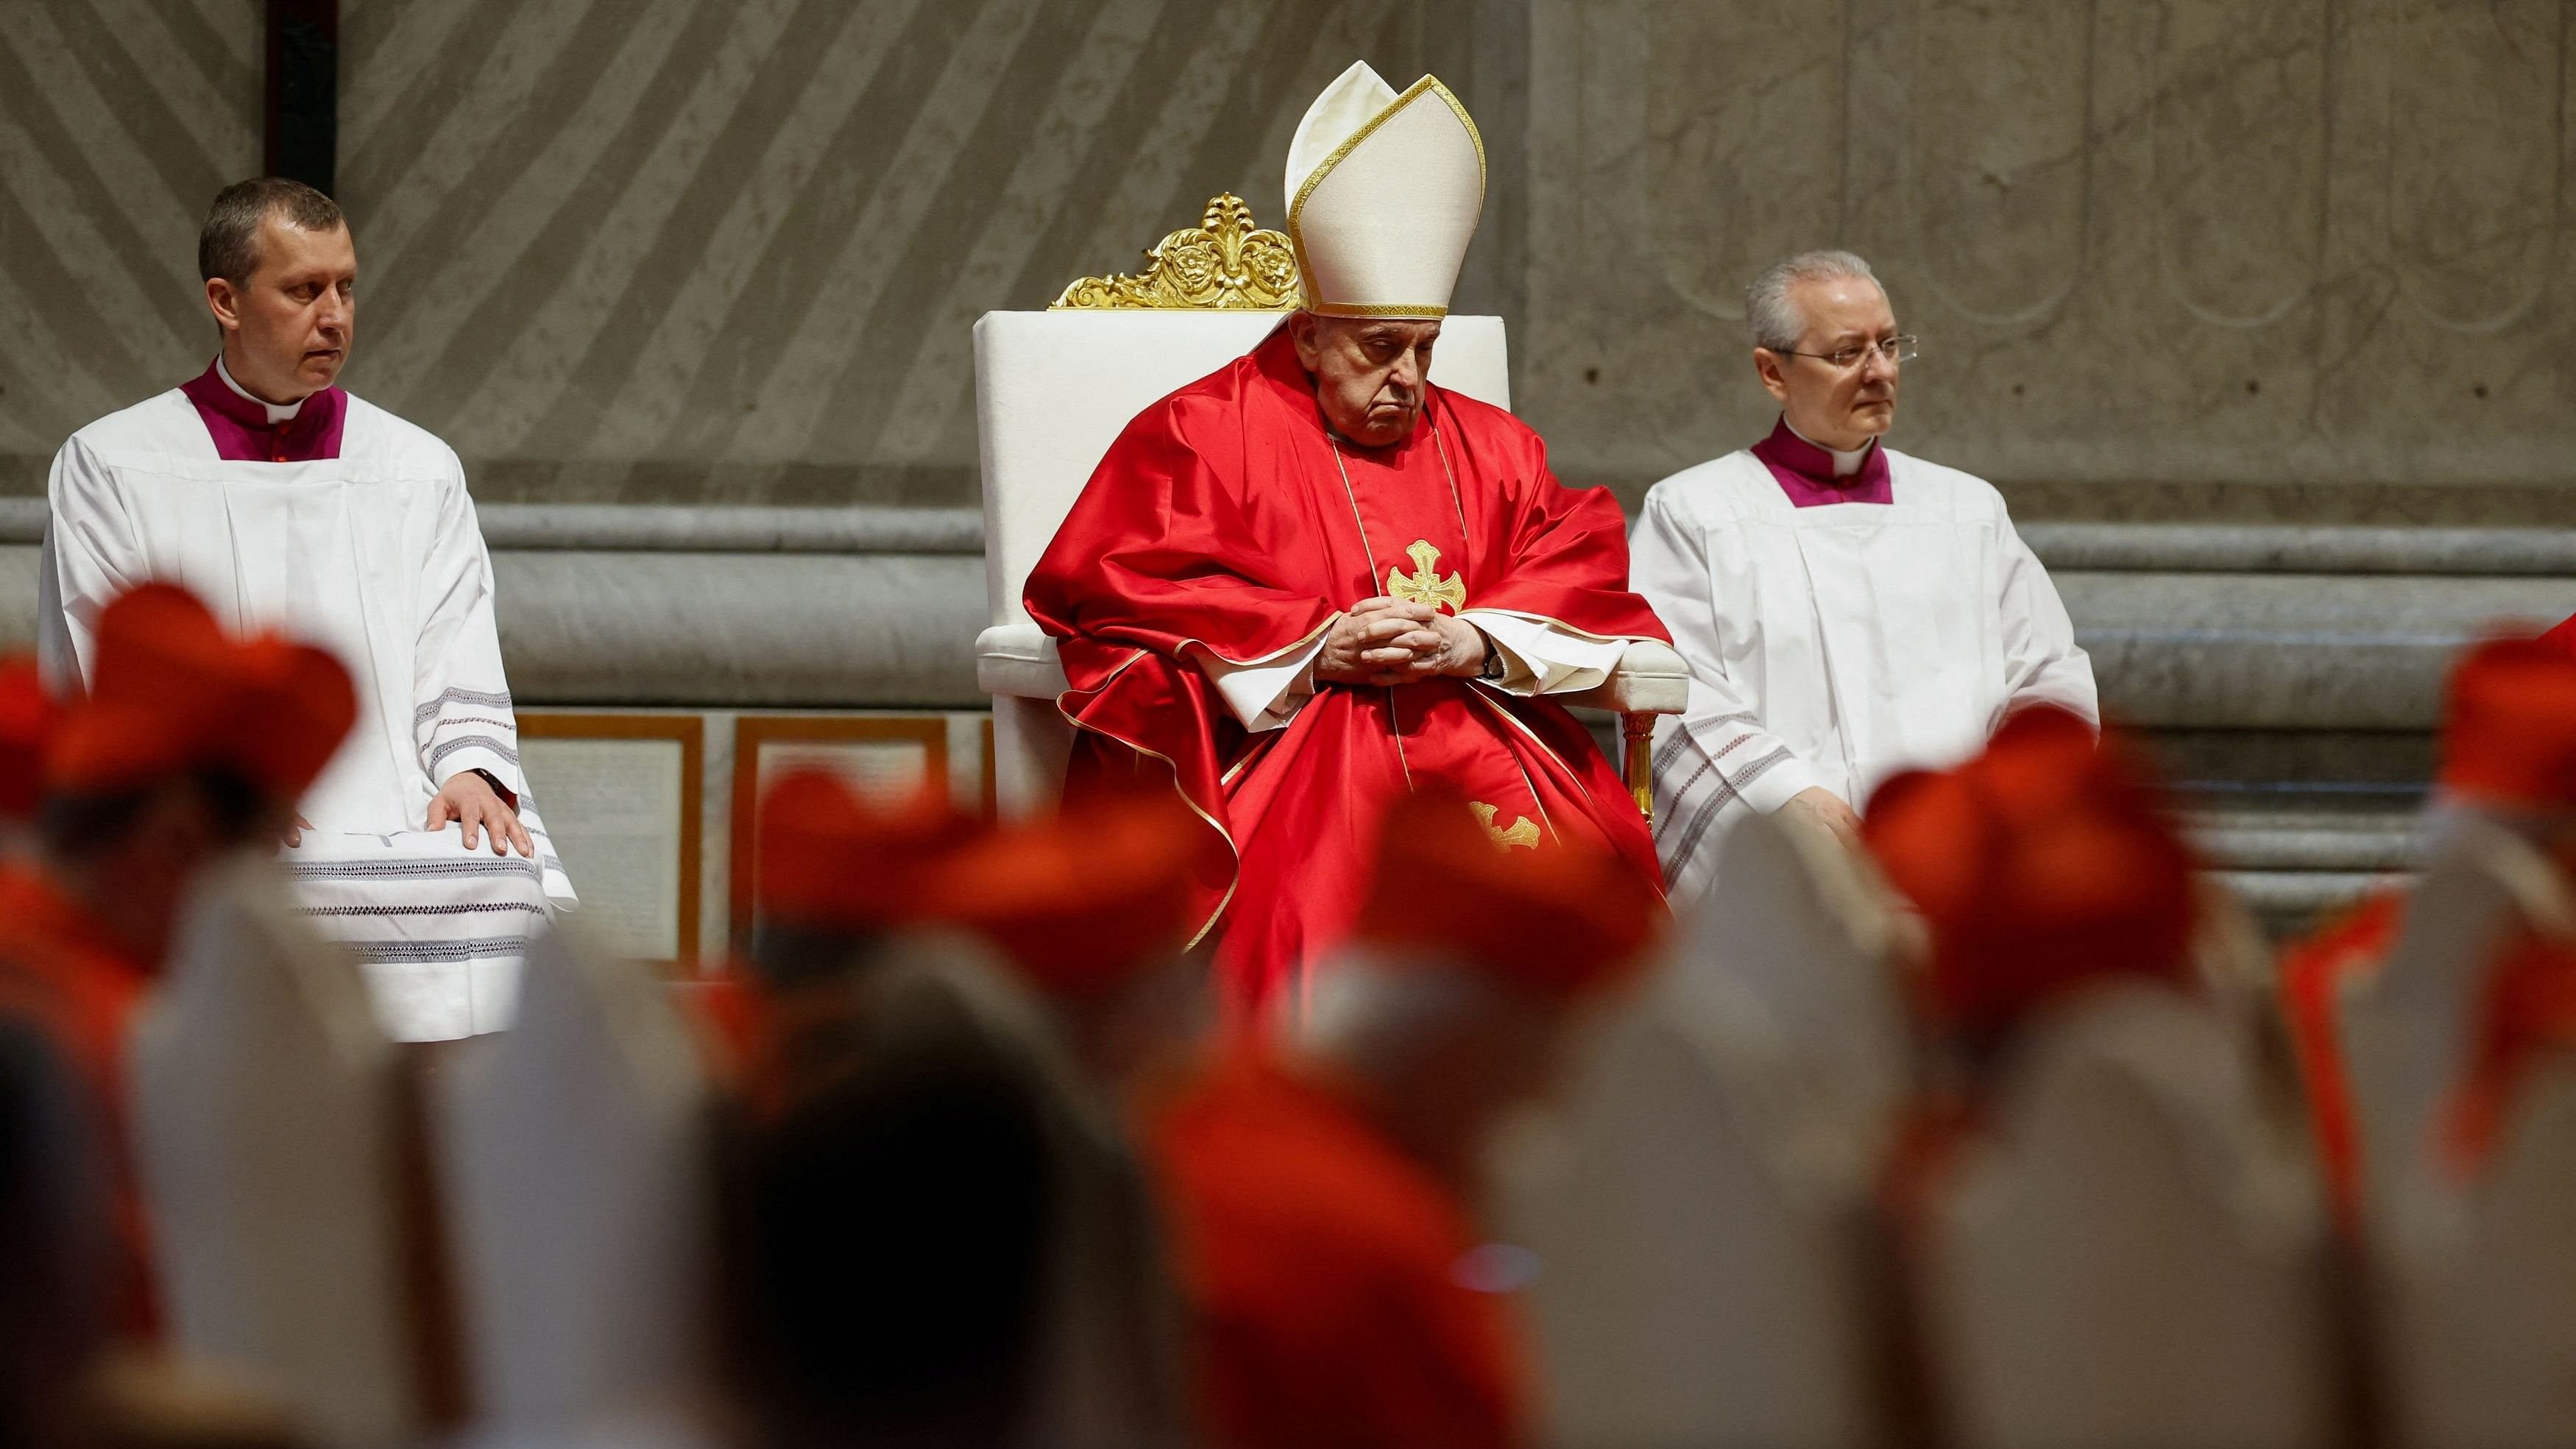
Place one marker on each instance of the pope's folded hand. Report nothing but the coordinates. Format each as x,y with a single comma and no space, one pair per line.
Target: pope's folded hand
1379,641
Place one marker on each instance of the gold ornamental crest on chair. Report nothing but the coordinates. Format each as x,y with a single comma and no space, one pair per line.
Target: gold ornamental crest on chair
1223,262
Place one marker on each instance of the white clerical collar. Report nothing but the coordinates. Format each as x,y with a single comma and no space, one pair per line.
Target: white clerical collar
1845,463
277,412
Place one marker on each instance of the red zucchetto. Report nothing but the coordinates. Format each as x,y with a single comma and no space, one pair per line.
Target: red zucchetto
2044,863
1080,901
1558,920
174,692
831,859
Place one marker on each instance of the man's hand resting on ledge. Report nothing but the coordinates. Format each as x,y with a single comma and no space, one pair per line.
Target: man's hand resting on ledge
467,799
1387,641
1817,805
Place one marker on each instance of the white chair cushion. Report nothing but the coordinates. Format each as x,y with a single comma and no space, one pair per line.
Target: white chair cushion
1018,660
1650,679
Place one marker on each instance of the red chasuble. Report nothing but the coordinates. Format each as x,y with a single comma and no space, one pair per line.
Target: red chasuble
1226,518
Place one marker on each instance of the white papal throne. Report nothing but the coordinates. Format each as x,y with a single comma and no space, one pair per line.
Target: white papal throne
1054,388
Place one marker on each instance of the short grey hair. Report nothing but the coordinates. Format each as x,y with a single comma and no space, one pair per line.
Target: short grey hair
1776,321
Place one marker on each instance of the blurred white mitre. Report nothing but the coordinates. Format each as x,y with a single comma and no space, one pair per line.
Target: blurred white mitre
1383,195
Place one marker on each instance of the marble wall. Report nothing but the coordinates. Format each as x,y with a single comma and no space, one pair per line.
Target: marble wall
2145,242
677,250
2169,258
734,249
119,120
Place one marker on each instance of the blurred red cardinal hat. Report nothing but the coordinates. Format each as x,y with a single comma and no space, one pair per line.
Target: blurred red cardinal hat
1082,900
2045,862
172,691
2509,730
1559,920
830,858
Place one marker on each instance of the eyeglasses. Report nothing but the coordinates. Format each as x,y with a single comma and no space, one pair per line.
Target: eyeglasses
1895,351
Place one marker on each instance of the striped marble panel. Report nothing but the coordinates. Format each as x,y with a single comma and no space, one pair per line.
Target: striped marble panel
119,120
725,250
733,249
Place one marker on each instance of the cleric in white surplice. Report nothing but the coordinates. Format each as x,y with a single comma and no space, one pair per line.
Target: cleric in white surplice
1846,611
281,500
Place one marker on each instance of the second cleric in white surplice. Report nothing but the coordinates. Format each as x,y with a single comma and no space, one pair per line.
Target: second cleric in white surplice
1847,611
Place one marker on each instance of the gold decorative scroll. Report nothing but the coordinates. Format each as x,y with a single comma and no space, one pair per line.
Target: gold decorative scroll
1222,262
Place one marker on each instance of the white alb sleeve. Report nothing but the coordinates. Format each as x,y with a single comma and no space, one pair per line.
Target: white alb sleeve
1266,693
90,556
463,718
1540,657
2042,662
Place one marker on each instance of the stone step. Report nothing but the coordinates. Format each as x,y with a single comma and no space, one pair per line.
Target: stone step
2239,845
2287,677
2294,858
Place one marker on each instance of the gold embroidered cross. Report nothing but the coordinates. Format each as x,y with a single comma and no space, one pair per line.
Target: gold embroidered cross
1521,833
1426,586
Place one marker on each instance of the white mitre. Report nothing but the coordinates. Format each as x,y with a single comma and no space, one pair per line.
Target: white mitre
1383,195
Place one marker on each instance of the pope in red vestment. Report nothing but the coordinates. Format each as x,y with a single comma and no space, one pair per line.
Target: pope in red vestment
1235,524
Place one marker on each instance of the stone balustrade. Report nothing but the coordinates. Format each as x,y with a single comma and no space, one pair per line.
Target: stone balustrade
2290,675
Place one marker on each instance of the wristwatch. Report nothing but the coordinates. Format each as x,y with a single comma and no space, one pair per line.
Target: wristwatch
1492,670
508,796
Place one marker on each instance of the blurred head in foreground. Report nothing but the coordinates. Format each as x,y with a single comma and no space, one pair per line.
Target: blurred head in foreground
54,1262
2509,731
2508,755
1092,906
839,878
886,1222
1466,974
2046,864
192,743
26,718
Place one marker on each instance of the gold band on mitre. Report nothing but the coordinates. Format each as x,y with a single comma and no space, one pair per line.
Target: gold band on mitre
1347,309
